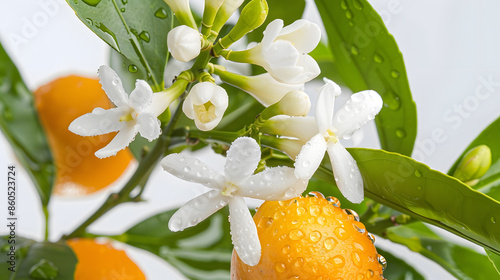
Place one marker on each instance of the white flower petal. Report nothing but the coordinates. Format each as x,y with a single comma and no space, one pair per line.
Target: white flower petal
361,108
242,159
112,85
272,31
325,104
310,69
119,142
305,35
277,183
303,128
149,126
267,90
244,232
346,172
141,96
281,54
98,122
192,169
310,157
197,210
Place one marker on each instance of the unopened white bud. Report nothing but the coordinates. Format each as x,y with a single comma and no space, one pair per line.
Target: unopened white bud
295,103
184,43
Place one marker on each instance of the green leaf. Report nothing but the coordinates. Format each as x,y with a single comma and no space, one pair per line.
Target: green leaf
462,262
136,29
200,252
413,188
37,259
490,182
495,259
20,125
367,57
397,269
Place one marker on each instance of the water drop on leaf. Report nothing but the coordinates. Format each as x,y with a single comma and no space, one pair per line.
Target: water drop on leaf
400,133
394,74
348,14
92,3
132,68
161,13
357,4
378,58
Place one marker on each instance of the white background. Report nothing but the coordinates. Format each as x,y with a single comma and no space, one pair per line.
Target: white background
449,48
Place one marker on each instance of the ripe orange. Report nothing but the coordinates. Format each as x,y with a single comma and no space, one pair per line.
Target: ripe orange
102,262
79,171
310,238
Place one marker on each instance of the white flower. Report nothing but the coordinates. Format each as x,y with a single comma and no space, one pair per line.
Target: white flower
238,181
294,103
184,43
205,104
362,107
129,117
283,51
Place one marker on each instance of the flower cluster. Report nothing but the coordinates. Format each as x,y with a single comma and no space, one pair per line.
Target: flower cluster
284,54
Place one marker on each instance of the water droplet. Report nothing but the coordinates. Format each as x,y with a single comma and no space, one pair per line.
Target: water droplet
315,210
161,13
357,4
92,3
145,36
296,234
348,14
124,2
337,261
356,259
280,267
343,4
316,194
378,58
394,74
341,233
330,243
334,201
122,10
381,260
370,274
400,133
419,187
286,249
354,50
306,163
111,34
359,229
44,269
187,169
371,237
360,277
279,214
353,213
89,21
493,220
351,24
299,262
132,68
315,236
265,222
301,210
418,173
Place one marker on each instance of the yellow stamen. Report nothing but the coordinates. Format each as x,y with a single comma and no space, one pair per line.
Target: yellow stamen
205,112
126,118
330,136
229,189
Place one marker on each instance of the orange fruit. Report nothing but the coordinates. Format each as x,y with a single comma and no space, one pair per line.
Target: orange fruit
79,171
102,262
310,238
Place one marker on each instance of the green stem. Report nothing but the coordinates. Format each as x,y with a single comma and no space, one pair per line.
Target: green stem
139,177
46,215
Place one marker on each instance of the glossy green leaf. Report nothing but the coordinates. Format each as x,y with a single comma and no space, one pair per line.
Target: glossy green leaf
398,269
413,188
490,182
20,125
200,252
462,262
367,57
36,259
495,260
136,29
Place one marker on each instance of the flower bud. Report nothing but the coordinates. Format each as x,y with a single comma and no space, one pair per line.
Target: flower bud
182,11
205,104
224,13
252,16
473,165
184,43
295,103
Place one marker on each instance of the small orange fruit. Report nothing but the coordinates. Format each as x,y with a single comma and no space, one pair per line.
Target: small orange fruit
310,238
102,262
79,171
